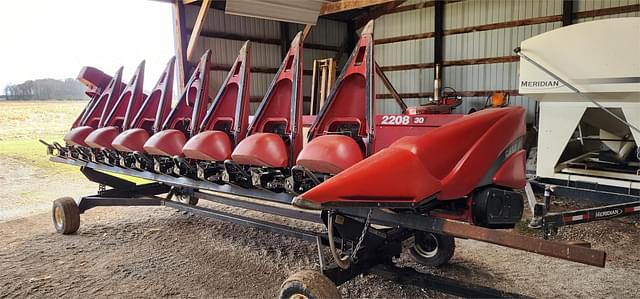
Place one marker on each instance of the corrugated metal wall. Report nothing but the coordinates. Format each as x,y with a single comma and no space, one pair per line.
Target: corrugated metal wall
471,45
483,44
326,32
586,5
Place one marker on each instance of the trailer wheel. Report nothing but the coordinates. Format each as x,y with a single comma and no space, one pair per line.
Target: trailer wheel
65,215
432,249
308,284
187,199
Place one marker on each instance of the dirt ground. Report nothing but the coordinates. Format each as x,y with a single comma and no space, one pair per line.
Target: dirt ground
160,252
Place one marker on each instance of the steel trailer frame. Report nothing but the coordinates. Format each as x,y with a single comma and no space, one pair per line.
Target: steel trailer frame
381,244
618,202
374,261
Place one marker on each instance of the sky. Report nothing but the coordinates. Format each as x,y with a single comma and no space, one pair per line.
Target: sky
56,38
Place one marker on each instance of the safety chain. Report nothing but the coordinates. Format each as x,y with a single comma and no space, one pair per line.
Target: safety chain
354,253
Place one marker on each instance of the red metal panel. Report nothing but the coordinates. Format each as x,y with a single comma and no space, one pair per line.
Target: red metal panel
96,82
76,136
183,120
151,114
391,127
347,102
227,117
128,103
110,97
102,137
104,102
97,112
166,143
392,175
262,149
157,105
512,172
131,140
279,115
330,154
347,110
231,105
209,145
450,161
192,105
121,114
476,162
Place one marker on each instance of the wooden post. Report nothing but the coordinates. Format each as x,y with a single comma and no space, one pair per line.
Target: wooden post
180,36
389,86
305,31
197,28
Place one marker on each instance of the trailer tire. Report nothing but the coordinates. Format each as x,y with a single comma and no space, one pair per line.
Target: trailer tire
65,215
431,249
308,284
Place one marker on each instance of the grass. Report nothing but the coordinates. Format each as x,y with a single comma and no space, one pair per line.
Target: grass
23,123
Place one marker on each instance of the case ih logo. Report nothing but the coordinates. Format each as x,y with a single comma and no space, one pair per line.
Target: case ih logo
609,213
540,84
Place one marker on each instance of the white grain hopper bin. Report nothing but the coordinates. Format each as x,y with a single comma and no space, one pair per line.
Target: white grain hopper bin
578,140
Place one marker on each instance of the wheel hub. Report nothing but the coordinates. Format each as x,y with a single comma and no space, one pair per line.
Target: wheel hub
427,247
57,216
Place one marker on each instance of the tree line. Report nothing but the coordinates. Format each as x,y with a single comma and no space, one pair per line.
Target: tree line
46,89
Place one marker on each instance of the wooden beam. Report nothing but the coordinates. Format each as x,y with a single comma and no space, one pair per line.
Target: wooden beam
514,23
402,38
180,43
420,5
389,86
607,11
375,13
258,99
410,7
346,5
187,2
262,40
475,61
254,69
469,29
567,12
239,37
306,31
195,33
502,25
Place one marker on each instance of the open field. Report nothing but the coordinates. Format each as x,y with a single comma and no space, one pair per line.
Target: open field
159,252
28,178
22,123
